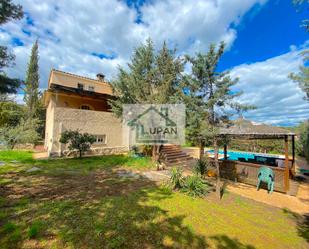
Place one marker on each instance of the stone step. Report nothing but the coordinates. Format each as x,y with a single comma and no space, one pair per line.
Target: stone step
171,149
179,159
176,156
174,153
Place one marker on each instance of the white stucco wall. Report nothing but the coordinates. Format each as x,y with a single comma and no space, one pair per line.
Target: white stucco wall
93,122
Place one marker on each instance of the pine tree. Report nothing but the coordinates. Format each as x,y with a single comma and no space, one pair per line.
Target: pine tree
302,78
152,78
208,96
8,12
32,94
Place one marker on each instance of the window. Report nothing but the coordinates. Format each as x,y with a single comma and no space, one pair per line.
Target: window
91,88
80,86
85,107
101,139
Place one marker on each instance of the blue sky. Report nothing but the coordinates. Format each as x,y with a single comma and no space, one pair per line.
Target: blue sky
266,31
264,40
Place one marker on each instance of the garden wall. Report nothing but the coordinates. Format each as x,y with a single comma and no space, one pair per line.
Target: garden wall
92,122
247,173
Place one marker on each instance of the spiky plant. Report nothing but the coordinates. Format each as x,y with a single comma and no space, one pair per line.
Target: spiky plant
176,179
194,186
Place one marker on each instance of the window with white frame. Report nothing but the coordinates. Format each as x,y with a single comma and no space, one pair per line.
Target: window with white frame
101,139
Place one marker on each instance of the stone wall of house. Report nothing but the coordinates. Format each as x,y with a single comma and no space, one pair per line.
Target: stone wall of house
92,122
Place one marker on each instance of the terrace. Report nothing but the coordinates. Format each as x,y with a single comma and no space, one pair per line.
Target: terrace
244,166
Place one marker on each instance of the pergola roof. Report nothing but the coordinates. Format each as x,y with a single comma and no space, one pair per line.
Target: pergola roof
245,128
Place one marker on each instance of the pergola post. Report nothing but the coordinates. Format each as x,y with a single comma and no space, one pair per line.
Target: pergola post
225,151
286,163
293,154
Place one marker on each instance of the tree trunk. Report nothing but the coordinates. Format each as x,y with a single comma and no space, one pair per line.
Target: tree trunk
218,183
155,153
201,150
11,144
80,153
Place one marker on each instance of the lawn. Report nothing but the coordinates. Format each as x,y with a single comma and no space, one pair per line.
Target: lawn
86,203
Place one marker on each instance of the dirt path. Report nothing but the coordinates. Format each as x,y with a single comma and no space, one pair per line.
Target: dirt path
275,199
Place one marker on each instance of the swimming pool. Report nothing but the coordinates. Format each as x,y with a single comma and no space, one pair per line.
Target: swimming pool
235,155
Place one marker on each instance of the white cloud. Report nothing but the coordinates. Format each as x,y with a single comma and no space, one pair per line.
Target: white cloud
193,25
70,30
18,98
266,85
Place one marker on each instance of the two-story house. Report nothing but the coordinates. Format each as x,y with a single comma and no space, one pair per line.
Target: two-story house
75,102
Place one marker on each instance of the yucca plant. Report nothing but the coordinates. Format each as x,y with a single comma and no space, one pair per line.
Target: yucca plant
201,166
194,186
176,179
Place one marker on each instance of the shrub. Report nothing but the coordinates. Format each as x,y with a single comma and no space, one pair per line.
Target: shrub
35,230
134,149
146,150
77,141
24,132
176,179
201,166
194,186
11,113
302,145
13,232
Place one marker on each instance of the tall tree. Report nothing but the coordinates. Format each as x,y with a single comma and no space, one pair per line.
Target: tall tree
208,97
32,93
302,78
152,78
8,12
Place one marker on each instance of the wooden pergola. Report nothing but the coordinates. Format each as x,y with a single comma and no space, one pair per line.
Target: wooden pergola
244,129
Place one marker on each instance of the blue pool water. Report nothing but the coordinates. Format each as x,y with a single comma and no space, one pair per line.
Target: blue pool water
234,155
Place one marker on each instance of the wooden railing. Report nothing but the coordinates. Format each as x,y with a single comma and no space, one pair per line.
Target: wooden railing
247,173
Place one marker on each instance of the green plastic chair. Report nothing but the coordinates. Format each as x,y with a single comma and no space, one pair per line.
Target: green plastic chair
266,174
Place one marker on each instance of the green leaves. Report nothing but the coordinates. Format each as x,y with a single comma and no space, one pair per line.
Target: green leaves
194,186
210,99
303,141
10,113
77,141
32,94
176,179
8,12
24,132
201,166
152,78
302,77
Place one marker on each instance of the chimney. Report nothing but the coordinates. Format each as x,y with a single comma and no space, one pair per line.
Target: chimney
100,77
